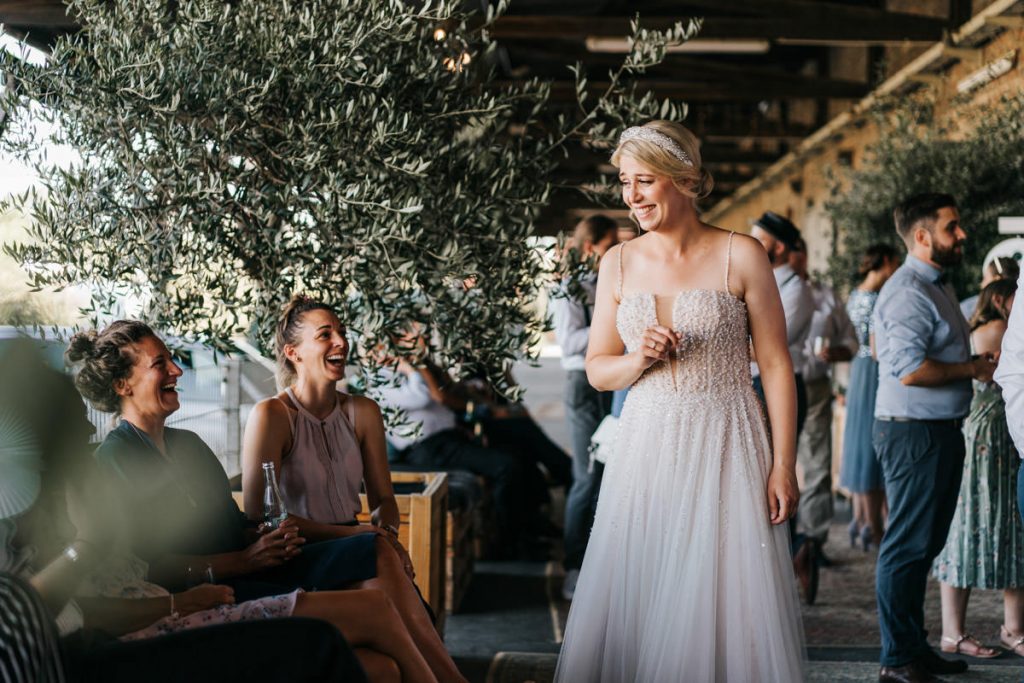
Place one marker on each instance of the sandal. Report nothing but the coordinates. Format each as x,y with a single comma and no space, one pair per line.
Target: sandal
1014,642
980,651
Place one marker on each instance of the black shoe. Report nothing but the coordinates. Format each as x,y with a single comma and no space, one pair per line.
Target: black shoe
934,664
823,559
805,565
909,673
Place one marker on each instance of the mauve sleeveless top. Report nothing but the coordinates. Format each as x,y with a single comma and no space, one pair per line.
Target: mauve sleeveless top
322,474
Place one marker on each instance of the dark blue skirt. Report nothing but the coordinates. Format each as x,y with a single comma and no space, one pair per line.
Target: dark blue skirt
860,471
326,565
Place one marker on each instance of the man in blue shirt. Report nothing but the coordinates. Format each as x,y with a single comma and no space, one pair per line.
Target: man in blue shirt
924,392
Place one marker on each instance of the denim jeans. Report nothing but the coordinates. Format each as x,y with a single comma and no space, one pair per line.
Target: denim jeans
922,462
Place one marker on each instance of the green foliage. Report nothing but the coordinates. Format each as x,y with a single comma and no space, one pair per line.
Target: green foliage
918,151
235,153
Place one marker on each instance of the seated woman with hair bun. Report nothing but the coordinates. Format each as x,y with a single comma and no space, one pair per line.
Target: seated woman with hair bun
184,523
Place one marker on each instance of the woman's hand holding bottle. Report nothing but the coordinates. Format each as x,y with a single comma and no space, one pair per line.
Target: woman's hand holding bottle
274,546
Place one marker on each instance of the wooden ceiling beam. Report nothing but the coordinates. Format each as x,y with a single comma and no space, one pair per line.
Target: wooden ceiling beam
813,29
817,10
50,16
681,67
721,91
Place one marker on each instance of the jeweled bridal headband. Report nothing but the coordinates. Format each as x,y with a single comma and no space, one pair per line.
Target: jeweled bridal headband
659,139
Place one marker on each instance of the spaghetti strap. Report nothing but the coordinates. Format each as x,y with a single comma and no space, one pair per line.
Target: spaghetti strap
728,262
618,287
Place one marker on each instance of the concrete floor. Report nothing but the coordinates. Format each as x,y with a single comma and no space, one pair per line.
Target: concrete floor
510,626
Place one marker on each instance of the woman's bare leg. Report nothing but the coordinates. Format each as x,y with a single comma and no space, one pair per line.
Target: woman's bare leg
954,609
367,619
1013,610
378,667
858,509
391,579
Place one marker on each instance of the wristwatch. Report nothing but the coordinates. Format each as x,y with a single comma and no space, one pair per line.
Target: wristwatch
390,529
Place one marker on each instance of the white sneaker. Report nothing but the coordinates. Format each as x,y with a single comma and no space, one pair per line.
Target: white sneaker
569,584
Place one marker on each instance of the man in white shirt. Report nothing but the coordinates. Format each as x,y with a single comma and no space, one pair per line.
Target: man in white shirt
780,237
585,407
831,339
1009,375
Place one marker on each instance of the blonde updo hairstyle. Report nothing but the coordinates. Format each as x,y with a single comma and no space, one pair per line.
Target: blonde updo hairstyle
694,181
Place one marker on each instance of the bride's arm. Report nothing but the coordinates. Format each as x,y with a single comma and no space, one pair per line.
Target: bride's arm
607,368
768,334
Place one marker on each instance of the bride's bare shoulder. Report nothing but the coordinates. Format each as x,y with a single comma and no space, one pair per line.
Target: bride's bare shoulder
748,252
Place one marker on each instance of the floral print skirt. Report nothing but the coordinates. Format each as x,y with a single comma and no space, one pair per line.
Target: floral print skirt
985,545
272,607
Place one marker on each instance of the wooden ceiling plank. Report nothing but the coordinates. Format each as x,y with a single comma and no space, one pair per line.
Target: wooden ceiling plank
806,29
734,91
816,10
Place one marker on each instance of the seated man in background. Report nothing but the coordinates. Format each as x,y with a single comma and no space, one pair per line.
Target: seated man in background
510,427
441,445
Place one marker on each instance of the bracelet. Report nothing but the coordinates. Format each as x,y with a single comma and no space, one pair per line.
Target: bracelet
209,574
72,554
174,613
390,529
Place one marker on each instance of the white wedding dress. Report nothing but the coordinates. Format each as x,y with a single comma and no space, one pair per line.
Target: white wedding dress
684,577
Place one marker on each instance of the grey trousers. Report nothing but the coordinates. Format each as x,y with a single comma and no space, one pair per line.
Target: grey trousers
814,454
585,407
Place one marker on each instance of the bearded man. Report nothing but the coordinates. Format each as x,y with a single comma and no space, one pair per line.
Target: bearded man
924,391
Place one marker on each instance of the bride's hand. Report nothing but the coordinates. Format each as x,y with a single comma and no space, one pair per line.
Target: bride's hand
783,494
656,343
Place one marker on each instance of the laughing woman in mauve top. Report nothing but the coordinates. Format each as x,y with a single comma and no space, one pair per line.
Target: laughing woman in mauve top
325,444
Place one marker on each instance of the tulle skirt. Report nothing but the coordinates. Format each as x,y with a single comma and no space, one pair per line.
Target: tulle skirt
684,578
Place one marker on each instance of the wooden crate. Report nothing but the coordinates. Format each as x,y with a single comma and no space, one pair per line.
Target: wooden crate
423,532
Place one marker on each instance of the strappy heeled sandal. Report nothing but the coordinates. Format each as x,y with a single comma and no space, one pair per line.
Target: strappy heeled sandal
980,651
1013,642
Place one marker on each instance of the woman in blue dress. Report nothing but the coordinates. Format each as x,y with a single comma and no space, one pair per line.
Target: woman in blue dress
860,473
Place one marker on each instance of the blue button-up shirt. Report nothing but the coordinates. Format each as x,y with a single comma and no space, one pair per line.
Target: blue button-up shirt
918,318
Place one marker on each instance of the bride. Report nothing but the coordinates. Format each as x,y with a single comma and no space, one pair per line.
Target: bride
687,575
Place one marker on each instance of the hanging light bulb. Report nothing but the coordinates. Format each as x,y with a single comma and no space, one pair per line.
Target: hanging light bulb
440,34
465,58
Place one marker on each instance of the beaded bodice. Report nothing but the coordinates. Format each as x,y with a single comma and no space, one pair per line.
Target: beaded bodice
712,359
713,356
